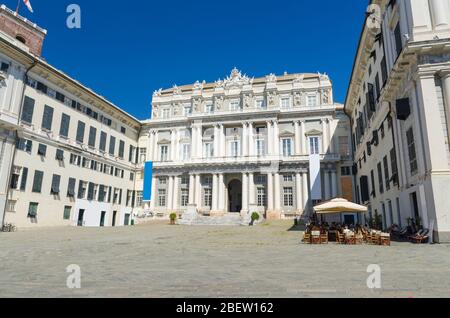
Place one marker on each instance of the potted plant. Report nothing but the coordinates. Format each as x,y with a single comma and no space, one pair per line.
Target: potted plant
173,218
255,218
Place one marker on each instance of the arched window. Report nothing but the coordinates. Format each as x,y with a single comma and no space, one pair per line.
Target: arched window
21,39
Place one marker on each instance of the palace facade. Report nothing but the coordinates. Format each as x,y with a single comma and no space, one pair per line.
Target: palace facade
399,101
243,145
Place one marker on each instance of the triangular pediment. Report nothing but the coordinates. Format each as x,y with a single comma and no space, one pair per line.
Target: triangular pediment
286,133
313,132
164,141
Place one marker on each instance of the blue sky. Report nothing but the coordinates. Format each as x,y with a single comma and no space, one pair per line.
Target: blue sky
125,52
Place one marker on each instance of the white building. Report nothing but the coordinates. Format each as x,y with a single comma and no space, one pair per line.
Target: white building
243,145
399,101
68,156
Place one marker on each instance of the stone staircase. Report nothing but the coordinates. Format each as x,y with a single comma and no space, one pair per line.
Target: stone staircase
226,220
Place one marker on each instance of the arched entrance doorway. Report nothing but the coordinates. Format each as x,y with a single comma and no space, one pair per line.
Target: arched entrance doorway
235,196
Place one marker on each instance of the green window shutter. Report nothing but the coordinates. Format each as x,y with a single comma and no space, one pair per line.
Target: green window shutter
59,155
103,137
121,149
92,136
65,123
37,182
42,150
80,189
109,194
71,187
56,181
80,131
112,145
67,212
23,181
33,210
28,110
28,146
91,191
47,119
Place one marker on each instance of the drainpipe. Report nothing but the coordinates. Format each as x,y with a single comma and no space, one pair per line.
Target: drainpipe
8,189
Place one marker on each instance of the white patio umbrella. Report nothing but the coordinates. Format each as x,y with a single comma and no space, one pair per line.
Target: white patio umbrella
339,205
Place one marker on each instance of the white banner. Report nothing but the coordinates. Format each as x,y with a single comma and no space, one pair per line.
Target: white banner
315,175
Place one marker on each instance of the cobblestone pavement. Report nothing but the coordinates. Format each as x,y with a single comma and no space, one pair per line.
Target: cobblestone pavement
158,260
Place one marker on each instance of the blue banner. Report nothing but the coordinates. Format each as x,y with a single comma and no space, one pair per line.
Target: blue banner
148,178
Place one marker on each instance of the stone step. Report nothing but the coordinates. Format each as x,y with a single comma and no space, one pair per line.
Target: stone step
231,220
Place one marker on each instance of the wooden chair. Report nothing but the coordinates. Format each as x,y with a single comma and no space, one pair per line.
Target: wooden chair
324,238
350,239
340,238
385,239
376,239
359,239
307,238
422,238
315,237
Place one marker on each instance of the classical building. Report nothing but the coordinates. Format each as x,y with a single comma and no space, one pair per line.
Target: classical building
399,101
68,156
243,145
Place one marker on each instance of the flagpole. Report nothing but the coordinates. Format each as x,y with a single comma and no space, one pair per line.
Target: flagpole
18,6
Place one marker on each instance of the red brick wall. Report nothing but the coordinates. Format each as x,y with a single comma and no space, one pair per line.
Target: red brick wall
34,39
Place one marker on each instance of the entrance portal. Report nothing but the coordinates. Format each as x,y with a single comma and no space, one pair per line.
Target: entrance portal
235,196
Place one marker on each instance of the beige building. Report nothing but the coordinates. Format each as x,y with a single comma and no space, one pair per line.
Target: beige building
399,101
68,155
243,145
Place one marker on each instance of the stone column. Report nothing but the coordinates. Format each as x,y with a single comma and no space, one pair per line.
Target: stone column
200,142
276,138
221,192
251,141
304,141
223,141
155,147
215,192
298,149
277,191
334,185
252,190
440,12
446,92
298,188
324,136
326,176
244,140
176,185
172,145
269,139
216,141
194,142
191,189
150,147
270,199
153,196
305,190
198,191
170,194
245,192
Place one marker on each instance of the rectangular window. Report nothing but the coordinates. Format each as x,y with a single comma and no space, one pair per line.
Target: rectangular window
28,110
80,132
380,178
288,178
71,188
82,186
398,39
209,108
47,118
208,197
103,138
11,206
37,182
139,198
187,111
14,183
59,155
262,197
67,212
33,210
287,147
23,181
101,193
92,137
386,173
311,101
314,146
261,104
162,197
285,103
56,181
64,128
208,150
186,152
372,177
165,113
164,153
91,191
288,196
411,151
261,147
234,149
24,145
344,146
184,197
234,105
42,150
142,155
121,149
112,145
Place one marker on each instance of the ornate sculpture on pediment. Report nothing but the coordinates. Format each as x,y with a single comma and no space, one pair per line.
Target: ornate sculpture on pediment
299,78
324,77
271,97
199,86
297,99
197,103
157,93
271,78
247,101
219,84
176,109
155,111
235,80
219,103
176,90
326,96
